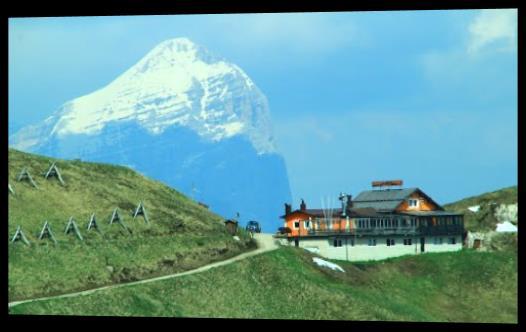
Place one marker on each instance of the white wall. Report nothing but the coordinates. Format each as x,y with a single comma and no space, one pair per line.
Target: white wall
430,245
361,251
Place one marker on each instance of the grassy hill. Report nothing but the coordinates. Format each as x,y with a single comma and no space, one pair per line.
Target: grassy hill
484,219
465,286
181,235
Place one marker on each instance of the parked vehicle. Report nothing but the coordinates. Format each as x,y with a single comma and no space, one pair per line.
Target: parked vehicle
253,226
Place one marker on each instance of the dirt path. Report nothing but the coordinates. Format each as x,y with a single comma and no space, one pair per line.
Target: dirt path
265,243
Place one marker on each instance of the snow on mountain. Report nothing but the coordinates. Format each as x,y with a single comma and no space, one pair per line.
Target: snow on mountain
183,116
176,83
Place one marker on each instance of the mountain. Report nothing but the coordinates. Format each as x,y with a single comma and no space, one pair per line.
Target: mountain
181,234
184,116
483,212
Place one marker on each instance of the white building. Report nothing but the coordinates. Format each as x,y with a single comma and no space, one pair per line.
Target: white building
377,224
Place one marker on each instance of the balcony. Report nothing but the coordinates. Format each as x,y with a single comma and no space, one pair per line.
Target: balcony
404,230
408,230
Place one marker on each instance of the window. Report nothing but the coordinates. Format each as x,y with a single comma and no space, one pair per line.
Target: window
352,242
390,242
372,242
438,240
296,224
373,223
452,240
407,242
307,224
413,202
337,243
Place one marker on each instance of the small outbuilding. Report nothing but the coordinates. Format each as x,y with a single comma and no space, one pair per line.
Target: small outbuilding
231,226
475,240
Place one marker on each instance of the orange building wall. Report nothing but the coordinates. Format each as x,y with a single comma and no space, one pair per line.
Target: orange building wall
291,219
337,224
425,205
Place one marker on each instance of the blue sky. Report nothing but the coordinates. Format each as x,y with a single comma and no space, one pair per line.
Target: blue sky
429,97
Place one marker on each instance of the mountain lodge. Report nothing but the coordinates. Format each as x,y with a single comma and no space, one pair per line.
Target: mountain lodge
377,224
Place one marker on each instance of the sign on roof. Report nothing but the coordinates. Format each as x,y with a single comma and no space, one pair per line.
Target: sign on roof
387,183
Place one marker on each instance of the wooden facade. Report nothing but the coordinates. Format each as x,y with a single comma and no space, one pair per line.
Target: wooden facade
415,214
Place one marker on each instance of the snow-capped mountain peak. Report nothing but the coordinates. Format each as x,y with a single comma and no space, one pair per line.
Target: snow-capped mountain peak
177,83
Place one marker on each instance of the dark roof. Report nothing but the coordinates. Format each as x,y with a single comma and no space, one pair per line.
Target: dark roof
230,221
352,212
363,212
387,199
314,212
384,195
431,213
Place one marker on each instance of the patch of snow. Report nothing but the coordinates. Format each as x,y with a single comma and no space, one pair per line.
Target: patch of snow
176,83
236,238
314,250
232,128
474,208
508,212
330,265
506,227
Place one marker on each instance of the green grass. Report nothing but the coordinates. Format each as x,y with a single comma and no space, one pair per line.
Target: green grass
464,286
484,219
181,235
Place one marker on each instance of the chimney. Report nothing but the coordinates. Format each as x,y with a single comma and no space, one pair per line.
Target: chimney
288,208
349,201
344,204
303,206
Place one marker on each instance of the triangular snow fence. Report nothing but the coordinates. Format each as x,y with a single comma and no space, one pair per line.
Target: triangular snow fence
19,236
11,190
24,175
93,223
71,227
140,210
116,217
54,172
47,233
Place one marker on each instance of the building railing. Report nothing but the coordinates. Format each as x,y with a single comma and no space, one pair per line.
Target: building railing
401,230
366,231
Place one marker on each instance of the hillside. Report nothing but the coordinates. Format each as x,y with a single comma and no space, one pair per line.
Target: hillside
491,207
284,284
181,234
